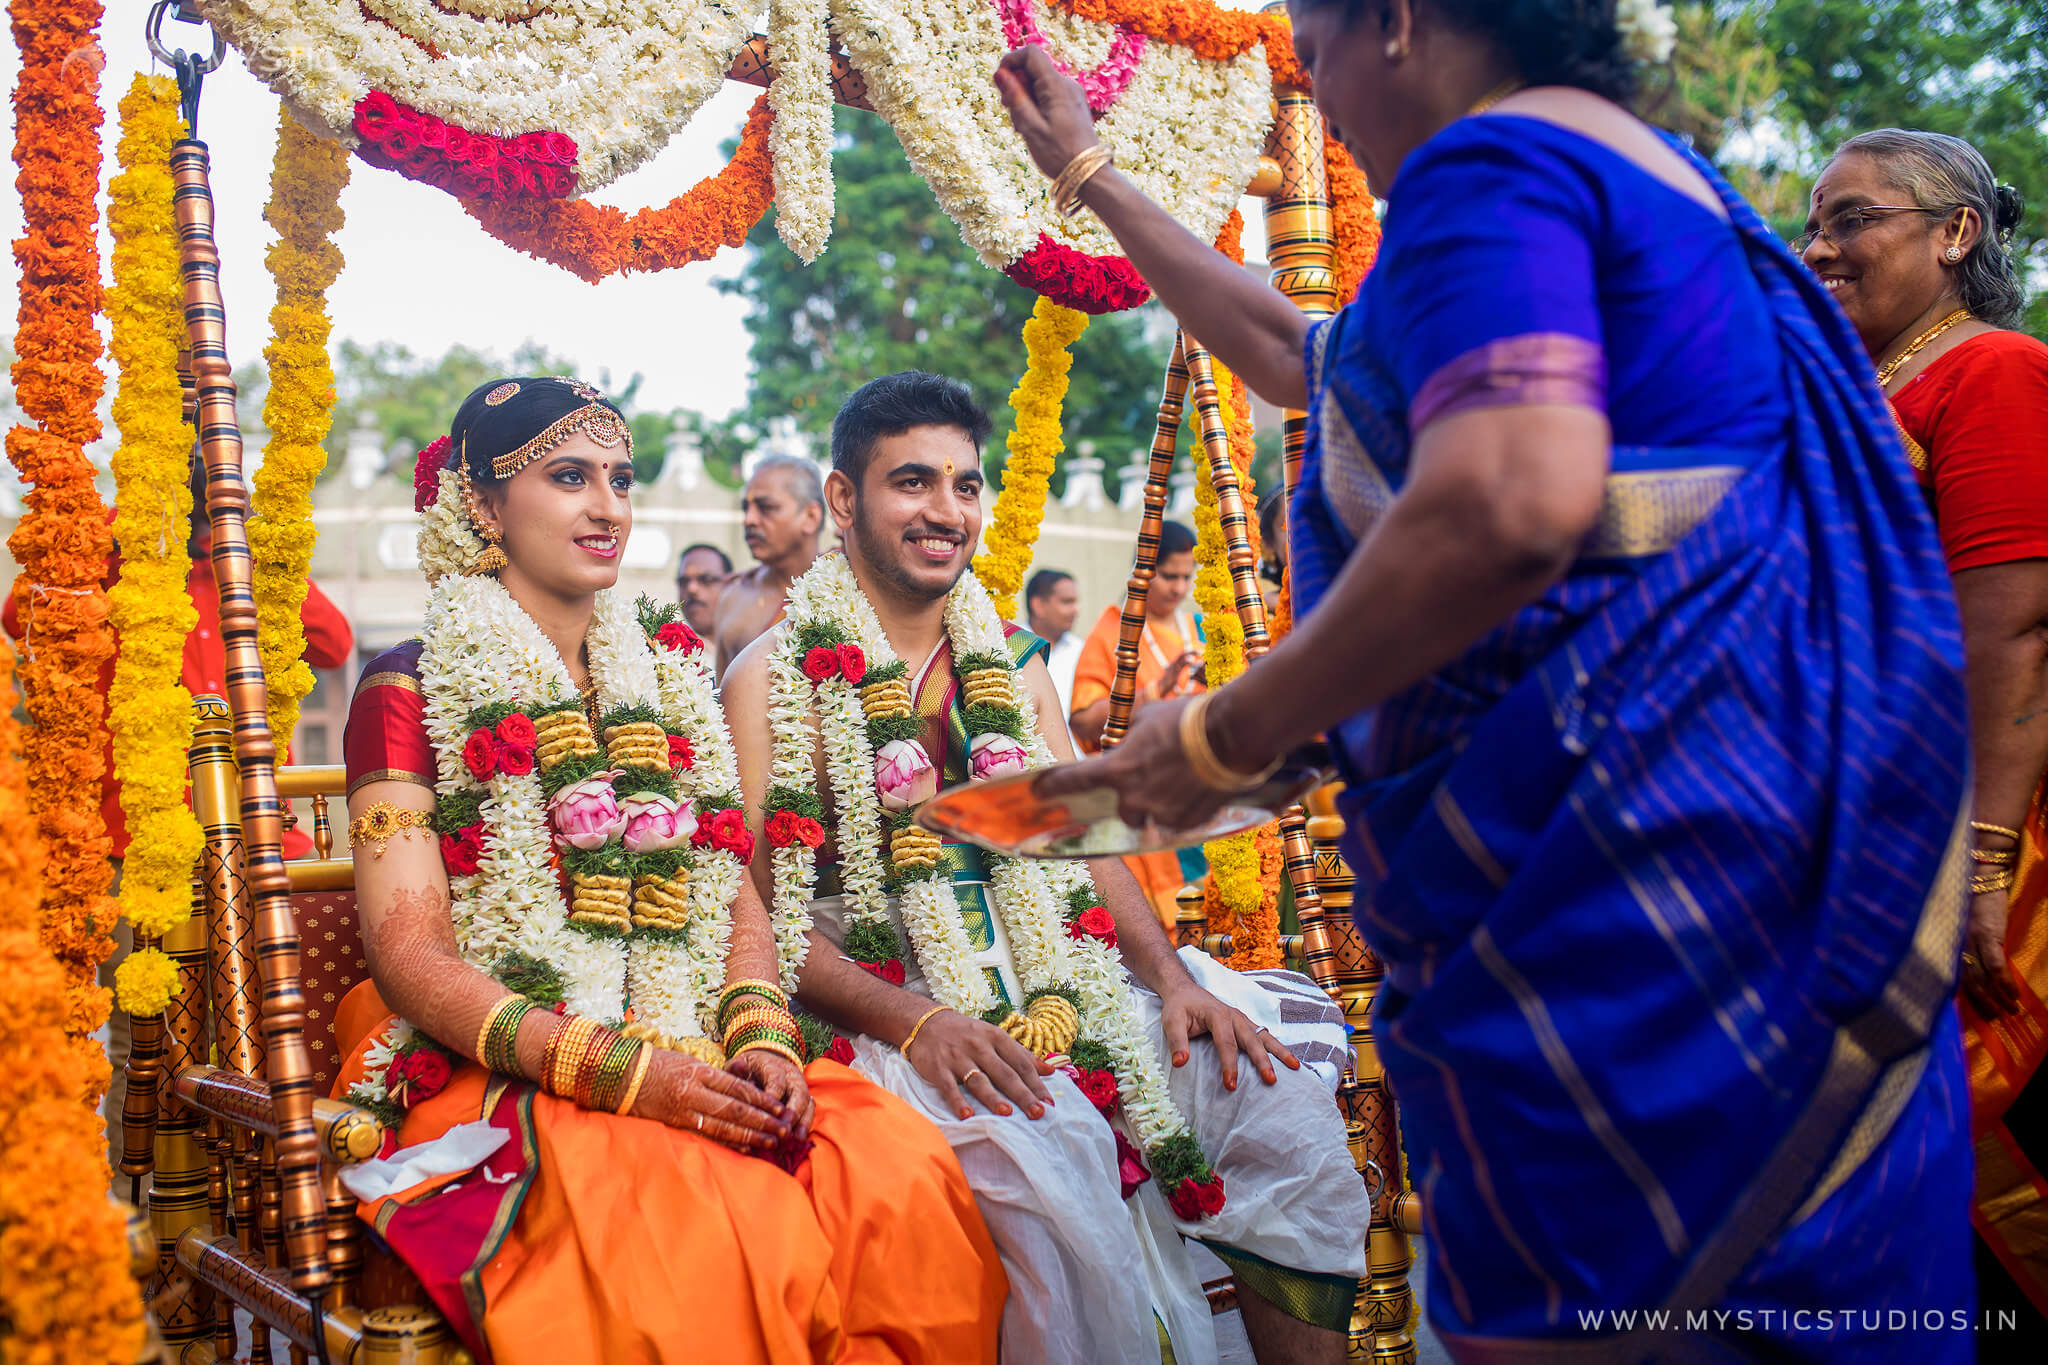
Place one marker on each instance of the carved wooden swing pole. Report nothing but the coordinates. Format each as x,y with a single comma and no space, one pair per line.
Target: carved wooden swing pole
1300,243
301,1202
1123,690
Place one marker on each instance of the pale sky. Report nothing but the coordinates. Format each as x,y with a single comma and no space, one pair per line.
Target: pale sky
421,273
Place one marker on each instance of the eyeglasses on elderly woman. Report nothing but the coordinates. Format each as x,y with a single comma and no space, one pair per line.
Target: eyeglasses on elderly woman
1844,227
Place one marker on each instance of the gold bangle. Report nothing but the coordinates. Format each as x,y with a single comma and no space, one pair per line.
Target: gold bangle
1995,857
640,1070
1983,828
1998,880
1210,770
383,822
922,1020
779,1049
1066,186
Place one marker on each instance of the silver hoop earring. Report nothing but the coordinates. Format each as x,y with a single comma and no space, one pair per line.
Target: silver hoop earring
1954,254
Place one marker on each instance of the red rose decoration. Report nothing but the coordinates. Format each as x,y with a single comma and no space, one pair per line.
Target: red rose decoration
1096,923
426,470
518,731
1100,1088
676,635
480,755
430,1073
1186,1202
1093,284
852,663
375,113
1130,1164
729,834
1210,1195
890,971
680,755
781,829
820,663
810,831
841,1052
462,852
515,760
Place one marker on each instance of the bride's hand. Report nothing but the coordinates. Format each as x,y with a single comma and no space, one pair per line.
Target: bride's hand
1048,109
685,1093
782,1081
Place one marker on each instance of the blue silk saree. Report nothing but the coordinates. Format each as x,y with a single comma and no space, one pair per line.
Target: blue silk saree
1667,870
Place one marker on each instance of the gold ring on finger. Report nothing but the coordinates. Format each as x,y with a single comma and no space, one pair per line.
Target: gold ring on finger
972,1073
700,1121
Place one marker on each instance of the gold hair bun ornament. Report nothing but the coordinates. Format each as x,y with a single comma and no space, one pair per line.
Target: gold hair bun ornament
504,393
594,420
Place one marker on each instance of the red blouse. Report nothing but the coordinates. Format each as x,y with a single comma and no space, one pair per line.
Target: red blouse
1981,414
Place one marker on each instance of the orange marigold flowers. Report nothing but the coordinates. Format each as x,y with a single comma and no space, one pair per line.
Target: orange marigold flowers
1354,223
1203,28
592,241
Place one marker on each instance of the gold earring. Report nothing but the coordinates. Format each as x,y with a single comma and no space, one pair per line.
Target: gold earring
492,560
1396,50
1954,254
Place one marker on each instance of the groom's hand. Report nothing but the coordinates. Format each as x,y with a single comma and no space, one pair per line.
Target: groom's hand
1188,1012
957,1054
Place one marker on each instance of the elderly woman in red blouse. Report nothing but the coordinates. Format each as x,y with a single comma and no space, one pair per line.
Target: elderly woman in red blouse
1910,232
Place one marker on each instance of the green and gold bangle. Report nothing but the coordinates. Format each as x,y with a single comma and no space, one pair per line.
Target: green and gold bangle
750,992
497,1044
607,1086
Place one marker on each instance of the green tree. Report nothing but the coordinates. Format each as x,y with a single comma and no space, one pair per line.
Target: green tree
1975,69
897,289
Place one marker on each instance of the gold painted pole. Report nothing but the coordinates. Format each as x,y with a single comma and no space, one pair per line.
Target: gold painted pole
1123,689
1230,509
302,1206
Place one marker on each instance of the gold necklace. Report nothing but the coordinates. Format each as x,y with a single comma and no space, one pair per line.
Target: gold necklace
1919,343
1495,96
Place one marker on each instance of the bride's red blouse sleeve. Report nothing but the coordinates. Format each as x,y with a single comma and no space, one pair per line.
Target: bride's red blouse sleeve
386,739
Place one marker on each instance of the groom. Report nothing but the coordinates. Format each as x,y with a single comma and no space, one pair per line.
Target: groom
1092,1277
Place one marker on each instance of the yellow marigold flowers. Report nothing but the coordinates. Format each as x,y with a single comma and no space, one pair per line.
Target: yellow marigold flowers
305,207
1034,447
150,712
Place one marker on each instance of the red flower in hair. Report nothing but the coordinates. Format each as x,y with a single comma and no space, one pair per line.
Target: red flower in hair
480,755
852,663
517,730
820,663
680,754
426,473
676,635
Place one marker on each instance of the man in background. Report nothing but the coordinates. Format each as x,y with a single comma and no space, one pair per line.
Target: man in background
1169,665
782,509
701,575
1052,602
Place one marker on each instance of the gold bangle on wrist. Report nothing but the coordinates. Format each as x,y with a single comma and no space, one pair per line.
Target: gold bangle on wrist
1984,828
1995,857
1066,186
640,1069
922,1020
1210,770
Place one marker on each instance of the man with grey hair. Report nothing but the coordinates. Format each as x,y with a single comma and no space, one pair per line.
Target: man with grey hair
782,509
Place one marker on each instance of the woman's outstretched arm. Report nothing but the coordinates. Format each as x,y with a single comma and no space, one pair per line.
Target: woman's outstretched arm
1252,327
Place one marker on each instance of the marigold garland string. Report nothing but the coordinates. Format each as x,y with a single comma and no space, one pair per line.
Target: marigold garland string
1355,224
65,1293
306,181
1034,447
1204,29
593,241
61,541
150,712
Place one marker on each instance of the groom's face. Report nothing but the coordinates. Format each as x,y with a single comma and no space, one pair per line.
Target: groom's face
915,518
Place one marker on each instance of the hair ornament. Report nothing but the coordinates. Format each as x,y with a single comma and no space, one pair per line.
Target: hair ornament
1648,32
426,473
504,393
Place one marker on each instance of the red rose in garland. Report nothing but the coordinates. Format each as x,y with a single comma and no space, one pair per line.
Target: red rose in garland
676,635
821,663
781,829
463,851
680,755
430,1073
1095,923
890,971
1209,1194
725,830
841,1052
809,831
1130,1164
480,755
853,665
1100,1088
1186,1202
517,731
515,760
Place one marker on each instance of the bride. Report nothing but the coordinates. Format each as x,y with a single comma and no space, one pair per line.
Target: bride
607,1145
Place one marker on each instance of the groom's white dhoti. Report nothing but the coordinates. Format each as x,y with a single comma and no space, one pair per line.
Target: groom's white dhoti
1094,1278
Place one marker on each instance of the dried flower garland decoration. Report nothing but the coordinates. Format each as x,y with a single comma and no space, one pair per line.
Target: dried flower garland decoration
1034,448
65,1291
836,666
149,710
594,241
306,181
61,541
1187,130
492,101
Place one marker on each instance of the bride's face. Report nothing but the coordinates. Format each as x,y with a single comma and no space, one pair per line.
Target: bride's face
566,517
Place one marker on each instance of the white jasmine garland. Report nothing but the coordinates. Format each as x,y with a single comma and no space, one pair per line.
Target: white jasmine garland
1649,33
1028,896
800,139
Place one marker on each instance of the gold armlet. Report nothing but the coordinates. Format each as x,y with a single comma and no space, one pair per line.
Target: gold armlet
383,822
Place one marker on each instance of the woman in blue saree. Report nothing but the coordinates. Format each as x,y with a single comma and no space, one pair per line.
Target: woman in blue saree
1647,695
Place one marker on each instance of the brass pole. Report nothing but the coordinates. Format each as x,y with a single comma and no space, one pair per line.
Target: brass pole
302,1206
1123,690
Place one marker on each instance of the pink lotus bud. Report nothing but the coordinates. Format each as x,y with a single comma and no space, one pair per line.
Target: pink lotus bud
904,775
997,755
586,814
655,822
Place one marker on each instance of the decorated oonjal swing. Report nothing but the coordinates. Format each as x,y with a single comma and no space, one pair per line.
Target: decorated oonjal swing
221,1122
